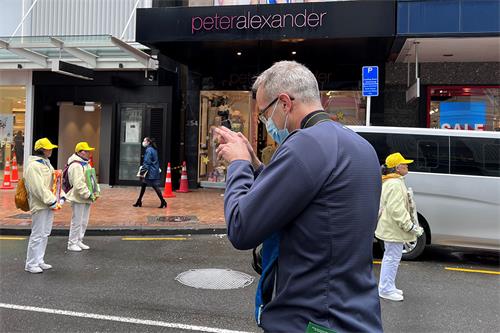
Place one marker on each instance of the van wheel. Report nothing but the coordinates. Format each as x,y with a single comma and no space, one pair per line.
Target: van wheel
412,250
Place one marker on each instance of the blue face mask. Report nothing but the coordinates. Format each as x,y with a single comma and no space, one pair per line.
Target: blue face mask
278,135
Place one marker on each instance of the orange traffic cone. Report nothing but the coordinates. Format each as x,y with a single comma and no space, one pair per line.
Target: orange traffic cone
167,192
7,185
184,188
15,174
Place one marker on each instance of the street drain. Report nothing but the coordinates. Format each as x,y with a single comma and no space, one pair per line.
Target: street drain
184,218
212,278
21,216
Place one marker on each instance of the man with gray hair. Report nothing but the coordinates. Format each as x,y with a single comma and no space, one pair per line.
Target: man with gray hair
314,208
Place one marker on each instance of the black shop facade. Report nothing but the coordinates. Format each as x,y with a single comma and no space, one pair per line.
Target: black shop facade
218,51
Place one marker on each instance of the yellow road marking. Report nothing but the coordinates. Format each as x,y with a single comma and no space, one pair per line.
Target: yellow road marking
377,262
154,238
11,238
472,270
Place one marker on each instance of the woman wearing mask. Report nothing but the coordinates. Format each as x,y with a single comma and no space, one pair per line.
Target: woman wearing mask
395,226
38,177
151,166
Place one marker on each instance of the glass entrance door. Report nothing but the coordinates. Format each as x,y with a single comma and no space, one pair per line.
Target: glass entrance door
131,135
138,120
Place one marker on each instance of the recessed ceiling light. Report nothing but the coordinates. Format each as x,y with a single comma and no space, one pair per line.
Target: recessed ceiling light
448,55
238,53
294,52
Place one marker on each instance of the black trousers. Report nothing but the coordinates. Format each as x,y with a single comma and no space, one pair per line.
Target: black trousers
155,187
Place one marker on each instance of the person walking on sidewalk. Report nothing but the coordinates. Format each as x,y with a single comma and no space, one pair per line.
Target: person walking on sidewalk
395,225
38,176
314,208
80,196
150,172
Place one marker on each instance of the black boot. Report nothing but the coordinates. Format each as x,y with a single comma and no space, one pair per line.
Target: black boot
138,203
163,204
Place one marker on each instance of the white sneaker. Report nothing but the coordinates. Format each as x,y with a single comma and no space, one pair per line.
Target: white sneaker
74,248
394,296
399,291
83,246
45,266
34,270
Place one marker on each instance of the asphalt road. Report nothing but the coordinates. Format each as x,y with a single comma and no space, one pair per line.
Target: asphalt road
133,284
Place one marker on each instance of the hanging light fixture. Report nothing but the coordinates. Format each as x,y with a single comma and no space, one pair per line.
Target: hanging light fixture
89,107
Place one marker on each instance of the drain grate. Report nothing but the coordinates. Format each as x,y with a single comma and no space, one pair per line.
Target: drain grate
181,218
21,216
212,278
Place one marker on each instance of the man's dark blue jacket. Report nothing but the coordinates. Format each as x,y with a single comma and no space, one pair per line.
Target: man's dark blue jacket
321,193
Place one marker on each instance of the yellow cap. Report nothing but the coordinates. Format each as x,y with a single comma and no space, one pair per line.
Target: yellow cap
396,159
83,146
44,143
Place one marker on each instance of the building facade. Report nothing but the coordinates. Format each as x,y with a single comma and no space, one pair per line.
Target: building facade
174,69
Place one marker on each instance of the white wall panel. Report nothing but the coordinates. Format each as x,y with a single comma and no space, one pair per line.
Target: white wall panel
84,17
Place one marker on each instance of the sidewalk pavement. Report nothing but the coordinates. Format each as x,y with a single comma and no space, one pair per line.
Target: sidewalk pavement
199,211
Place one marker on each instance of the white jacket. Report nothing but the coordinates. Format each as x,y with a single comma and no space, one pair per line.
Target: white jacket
80,192
39,178
395,222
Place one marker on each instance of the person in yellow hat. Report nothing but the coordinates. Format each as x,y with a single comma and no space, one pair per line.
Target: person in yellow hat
79,195
395,225
38,177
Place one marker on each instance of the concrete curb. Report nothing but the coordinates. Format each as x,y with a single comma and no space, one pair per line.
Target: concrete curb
121,231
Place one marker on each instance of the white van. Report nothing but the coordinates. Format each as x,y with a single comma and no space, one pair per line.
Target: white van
456,180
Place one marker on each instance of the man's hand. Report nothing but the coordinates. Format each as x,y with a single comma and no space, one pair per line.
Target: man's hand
232,146
255,160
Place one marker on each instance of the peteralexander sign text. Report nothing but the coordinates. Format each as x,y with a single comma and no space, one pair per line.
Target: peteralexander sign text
249,20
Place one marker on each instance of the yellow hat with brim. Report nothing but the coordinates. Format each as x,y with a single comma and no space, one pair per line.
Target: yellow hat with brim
44,143
396,159
83,146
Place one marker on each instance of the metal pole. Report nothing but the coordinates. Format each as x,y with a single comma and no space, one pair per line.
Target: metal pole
368,109
129,19
416,60
24,17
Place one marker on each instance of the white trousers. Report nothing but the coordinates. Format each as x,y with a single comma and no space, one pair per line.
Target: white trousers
390,264
79,222
41,226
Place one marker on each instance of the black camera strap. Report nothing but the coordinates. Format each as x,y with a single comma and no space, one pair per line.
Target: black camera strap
314,118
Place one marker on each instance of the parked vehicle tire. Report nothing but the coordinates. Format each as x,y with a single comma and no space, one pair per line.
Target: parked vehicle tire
413,250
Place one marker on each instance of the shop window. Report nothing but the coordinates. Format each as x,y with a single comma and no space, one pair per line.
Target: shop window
222,108
465,108
346,107
12,113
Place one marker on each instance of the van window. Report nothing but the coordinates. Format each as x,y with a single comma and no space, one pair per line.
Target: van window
475,156
430,153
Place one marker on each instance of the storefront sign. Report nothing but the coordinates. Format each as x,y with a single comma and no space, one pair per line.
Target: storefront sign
216,22
463,115
337,19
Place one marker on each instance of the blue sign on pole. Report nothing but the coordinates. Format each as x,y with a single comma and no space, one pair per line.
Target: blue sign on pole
370,80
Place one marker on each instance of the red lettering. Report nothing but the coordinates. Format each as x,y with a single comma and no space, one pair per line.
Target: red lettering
208,23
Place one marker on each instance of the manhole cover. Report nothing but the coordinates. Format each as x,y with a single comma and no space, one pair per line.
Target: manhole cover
155,219
21,216
212,278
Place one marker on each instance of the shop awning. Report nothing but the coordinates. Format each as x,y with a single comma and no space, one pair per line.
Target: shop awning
102,52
